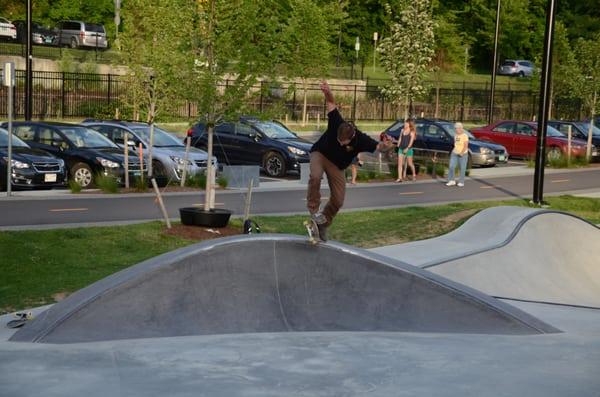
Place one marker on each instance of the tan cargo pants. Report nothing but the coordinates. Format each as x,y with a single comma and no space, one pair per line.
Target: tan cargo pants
336,178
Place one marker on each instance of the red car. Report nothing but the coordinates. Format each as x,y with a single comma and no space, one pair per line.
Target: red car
519,138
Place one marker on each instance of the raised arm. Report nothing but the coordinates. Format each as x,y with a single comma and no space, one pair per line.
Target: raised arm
328,96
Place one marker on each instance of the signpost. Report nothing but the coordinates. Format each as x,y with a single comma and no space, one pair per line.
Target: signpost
8,80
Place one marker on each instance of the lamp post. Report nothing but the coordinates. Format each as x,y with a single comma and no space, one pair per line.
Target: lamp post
494,65
540,152
375,37
28,66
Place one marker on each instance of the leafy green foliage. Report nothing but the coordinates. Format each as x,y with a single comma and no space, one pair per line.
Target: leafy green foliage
107,184
408,51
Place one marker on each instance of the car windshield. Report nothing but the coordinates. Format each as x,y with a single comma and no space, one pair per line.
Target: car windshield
585,127
450,128
161,137
508,63
274,130
86,138
551,131
16,142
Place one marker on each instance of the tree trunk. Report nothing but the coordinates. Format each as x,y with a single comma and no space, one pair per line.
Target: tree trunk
437,101
209,168
588,151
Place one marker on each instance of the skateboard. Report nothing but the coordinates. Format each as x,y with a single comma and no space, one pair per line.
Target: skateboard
313,232
21,319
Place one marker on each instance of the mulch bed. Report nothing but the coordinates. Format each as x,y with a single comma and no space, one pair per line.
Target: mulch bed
198,233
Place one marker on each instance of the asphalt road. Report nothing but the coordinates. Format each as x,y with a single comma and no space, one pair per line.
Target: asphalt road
64,210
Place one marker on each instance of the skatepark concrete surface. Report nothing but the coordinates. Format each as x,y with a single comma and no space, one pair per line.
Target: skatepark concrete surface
283,318
521,254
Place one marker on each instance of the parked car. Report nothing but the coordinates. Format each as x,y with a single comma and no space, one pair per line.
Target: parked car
250,141
86,152
434,135
31,168
39,34
579,130
518,67
167,152
520,138
8,31
82,34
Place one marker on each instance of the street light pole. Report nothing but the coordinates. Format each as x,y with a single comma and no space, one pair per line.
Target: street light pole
375,37
540,153
494,66
28,67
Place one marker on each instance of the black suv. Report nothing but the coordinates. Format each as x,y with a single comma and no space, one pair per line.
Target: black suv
86,152
250,141
31,168
437,136
579,130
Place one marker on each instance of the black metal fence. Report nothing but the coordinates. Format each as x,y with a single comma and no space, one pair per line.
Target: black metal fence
59,95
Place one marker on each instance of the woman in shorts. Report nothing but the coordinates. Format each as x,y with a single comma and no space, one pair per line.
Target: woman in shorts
405,150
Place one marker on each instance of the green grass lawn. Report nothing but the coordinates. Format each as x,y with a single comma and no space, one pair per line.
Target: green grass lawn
40,267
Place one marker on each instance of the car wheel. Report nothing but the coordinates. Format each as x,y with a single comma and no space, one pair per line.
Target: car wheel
554,153
521,74
274,164
74,43
160,173
82,174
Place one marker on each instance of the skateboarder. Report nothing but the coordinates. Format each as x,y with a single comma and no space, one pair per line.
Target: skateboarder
332,154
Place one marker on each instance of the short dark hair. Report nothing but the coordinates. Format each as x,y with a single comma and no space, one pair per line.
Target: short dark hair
346,130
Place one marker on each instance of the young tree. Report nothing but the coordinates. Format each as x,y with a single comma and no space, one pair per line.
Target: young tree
407,52
588,59
156,42
565,69
449,53
306,37
238,41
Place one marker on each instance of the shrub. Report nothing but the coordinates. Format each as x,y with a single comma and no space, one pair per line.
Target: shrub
107,184
196,180
74,186
222,181
140,184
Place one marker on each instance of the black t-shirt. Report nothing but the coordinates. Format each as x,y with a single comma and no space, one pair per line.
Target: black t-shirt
339,155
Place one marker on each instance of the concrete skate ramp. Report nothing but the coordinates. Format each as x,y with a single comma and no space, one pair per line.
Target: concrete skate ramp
271,283
516,253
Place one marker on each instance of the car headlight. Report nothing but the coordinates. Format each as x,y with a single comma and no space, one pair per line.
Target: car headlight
296,151
107,163
180,160
485,150
18,164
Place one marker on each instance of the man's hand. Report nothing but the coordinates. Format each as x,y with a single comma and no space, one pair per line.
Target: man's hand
328,96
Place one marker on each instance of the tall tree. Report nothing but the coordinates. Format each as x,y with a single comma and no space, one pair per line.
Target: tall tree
306,37
407,52
588,59
156,42
238,42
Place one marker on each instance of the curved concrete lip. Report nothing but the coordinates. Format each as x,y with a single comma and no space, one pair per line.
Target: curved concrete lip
272,283
518,254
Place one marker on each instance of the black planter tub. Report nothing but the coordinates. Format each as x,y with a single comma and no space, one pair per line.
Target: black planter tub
194,216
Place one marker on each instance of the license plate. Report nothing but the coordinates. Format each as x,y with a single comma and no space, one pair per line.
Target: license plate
136,173
48,40
50,178
594,153
501,158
